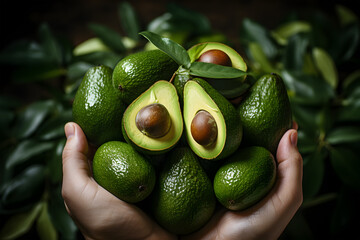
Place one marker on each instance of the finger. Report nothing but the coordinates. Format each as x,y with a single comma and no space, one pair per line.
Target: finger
76,170
290,167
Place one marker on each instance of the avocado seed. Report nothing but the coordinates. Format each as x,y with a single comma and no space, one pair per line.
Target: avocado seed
153,120
215,56
204,128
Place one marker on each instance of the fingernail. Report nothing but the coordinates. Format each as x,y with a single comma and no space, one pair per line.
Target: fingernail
294,138
69,130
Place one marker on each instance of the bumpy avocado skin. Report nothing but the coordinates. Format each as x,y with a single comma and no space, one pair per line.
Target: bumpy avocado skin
266,113
97,106
183,199
138,71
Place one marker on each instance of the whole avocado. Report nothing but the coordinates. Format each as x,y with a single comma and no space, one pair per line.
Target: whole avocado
97,106
265,113
135,73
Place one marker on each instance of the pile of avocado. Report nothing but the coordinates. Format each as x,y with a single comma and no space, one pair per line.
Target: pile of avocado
178,147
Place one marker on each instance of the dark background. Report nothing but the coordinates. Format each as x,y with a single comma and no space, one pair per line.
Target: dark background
70,17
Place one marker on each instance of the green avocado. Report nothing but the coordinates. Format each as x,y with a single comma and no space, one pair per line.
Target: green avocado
245,178
153,122
212,124
138,71
230,88
97,106
122,171
265,113
183,199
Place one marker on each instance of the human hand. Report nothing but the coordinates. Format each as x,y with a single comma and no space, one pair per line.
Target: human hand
268,218
98,213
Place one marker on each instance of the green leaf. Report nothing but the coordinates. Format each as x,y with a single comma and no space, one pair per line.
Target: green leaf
254,32
346,164
171,48
350,111
314,171
259,58
326,66
19,224
38,73
209,70
109,59
55,162
59,216
294,53
44,226
286,30
77,70
23,52
344,135
24,188
32,117
129,20
26,150
110,37
89,46
346,43
50,44
230,88
346,15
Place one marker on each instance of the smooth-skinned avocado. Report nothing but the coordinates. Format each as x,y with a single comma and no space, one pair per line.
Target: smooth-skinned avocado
97,106
122,171
265,112
213,128
138,71
246,177
153,122
183,199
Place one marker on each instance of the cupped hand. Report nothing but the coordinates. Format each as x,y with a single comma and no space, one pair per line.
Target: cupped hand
268,218
97,213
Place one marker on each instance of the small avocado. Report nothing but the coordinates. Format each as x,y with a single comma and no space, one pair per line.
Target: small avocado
265,112
220,54
138,71
122,171
97,106
212,124
245,178
153,123
183,199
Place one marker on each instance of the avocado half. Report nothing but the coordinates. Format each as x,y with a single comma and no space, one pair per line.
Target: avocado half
200,95
161,92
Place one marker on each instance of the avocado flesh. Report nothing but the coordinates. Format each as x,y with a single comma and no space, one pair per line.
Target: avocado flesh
164,93
199,95
97,106
237,61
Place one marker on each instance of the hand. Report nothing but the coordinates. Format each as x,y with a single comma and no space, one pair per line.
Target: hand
268,218
97,213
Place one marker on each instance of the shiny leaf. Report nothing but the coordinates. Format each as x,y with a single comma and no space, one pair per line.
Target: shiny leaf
209,70
326,66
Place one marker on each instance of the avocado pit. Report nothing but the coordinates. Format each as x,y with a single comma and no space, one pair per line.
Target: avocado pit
204,128
215,56
153,120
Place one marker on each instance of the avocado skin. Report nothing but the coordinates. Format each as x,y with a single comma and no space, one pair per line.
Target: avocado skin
234,129
138,71
183,199
97,106
266,113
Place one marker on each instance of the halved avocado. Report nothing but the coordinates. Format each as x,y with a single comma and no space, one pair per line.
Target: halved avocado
153,123
201,98
197,50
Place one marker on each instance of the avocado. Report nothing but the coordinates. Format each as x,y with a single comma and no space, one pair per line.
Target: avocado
208,111
220,54
265,112
97,106
183,199
122,171
153,123
138,71
245,178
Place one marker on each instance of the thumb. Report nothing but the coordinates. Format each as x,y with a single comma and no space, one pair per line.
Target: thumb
290,168
76,169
